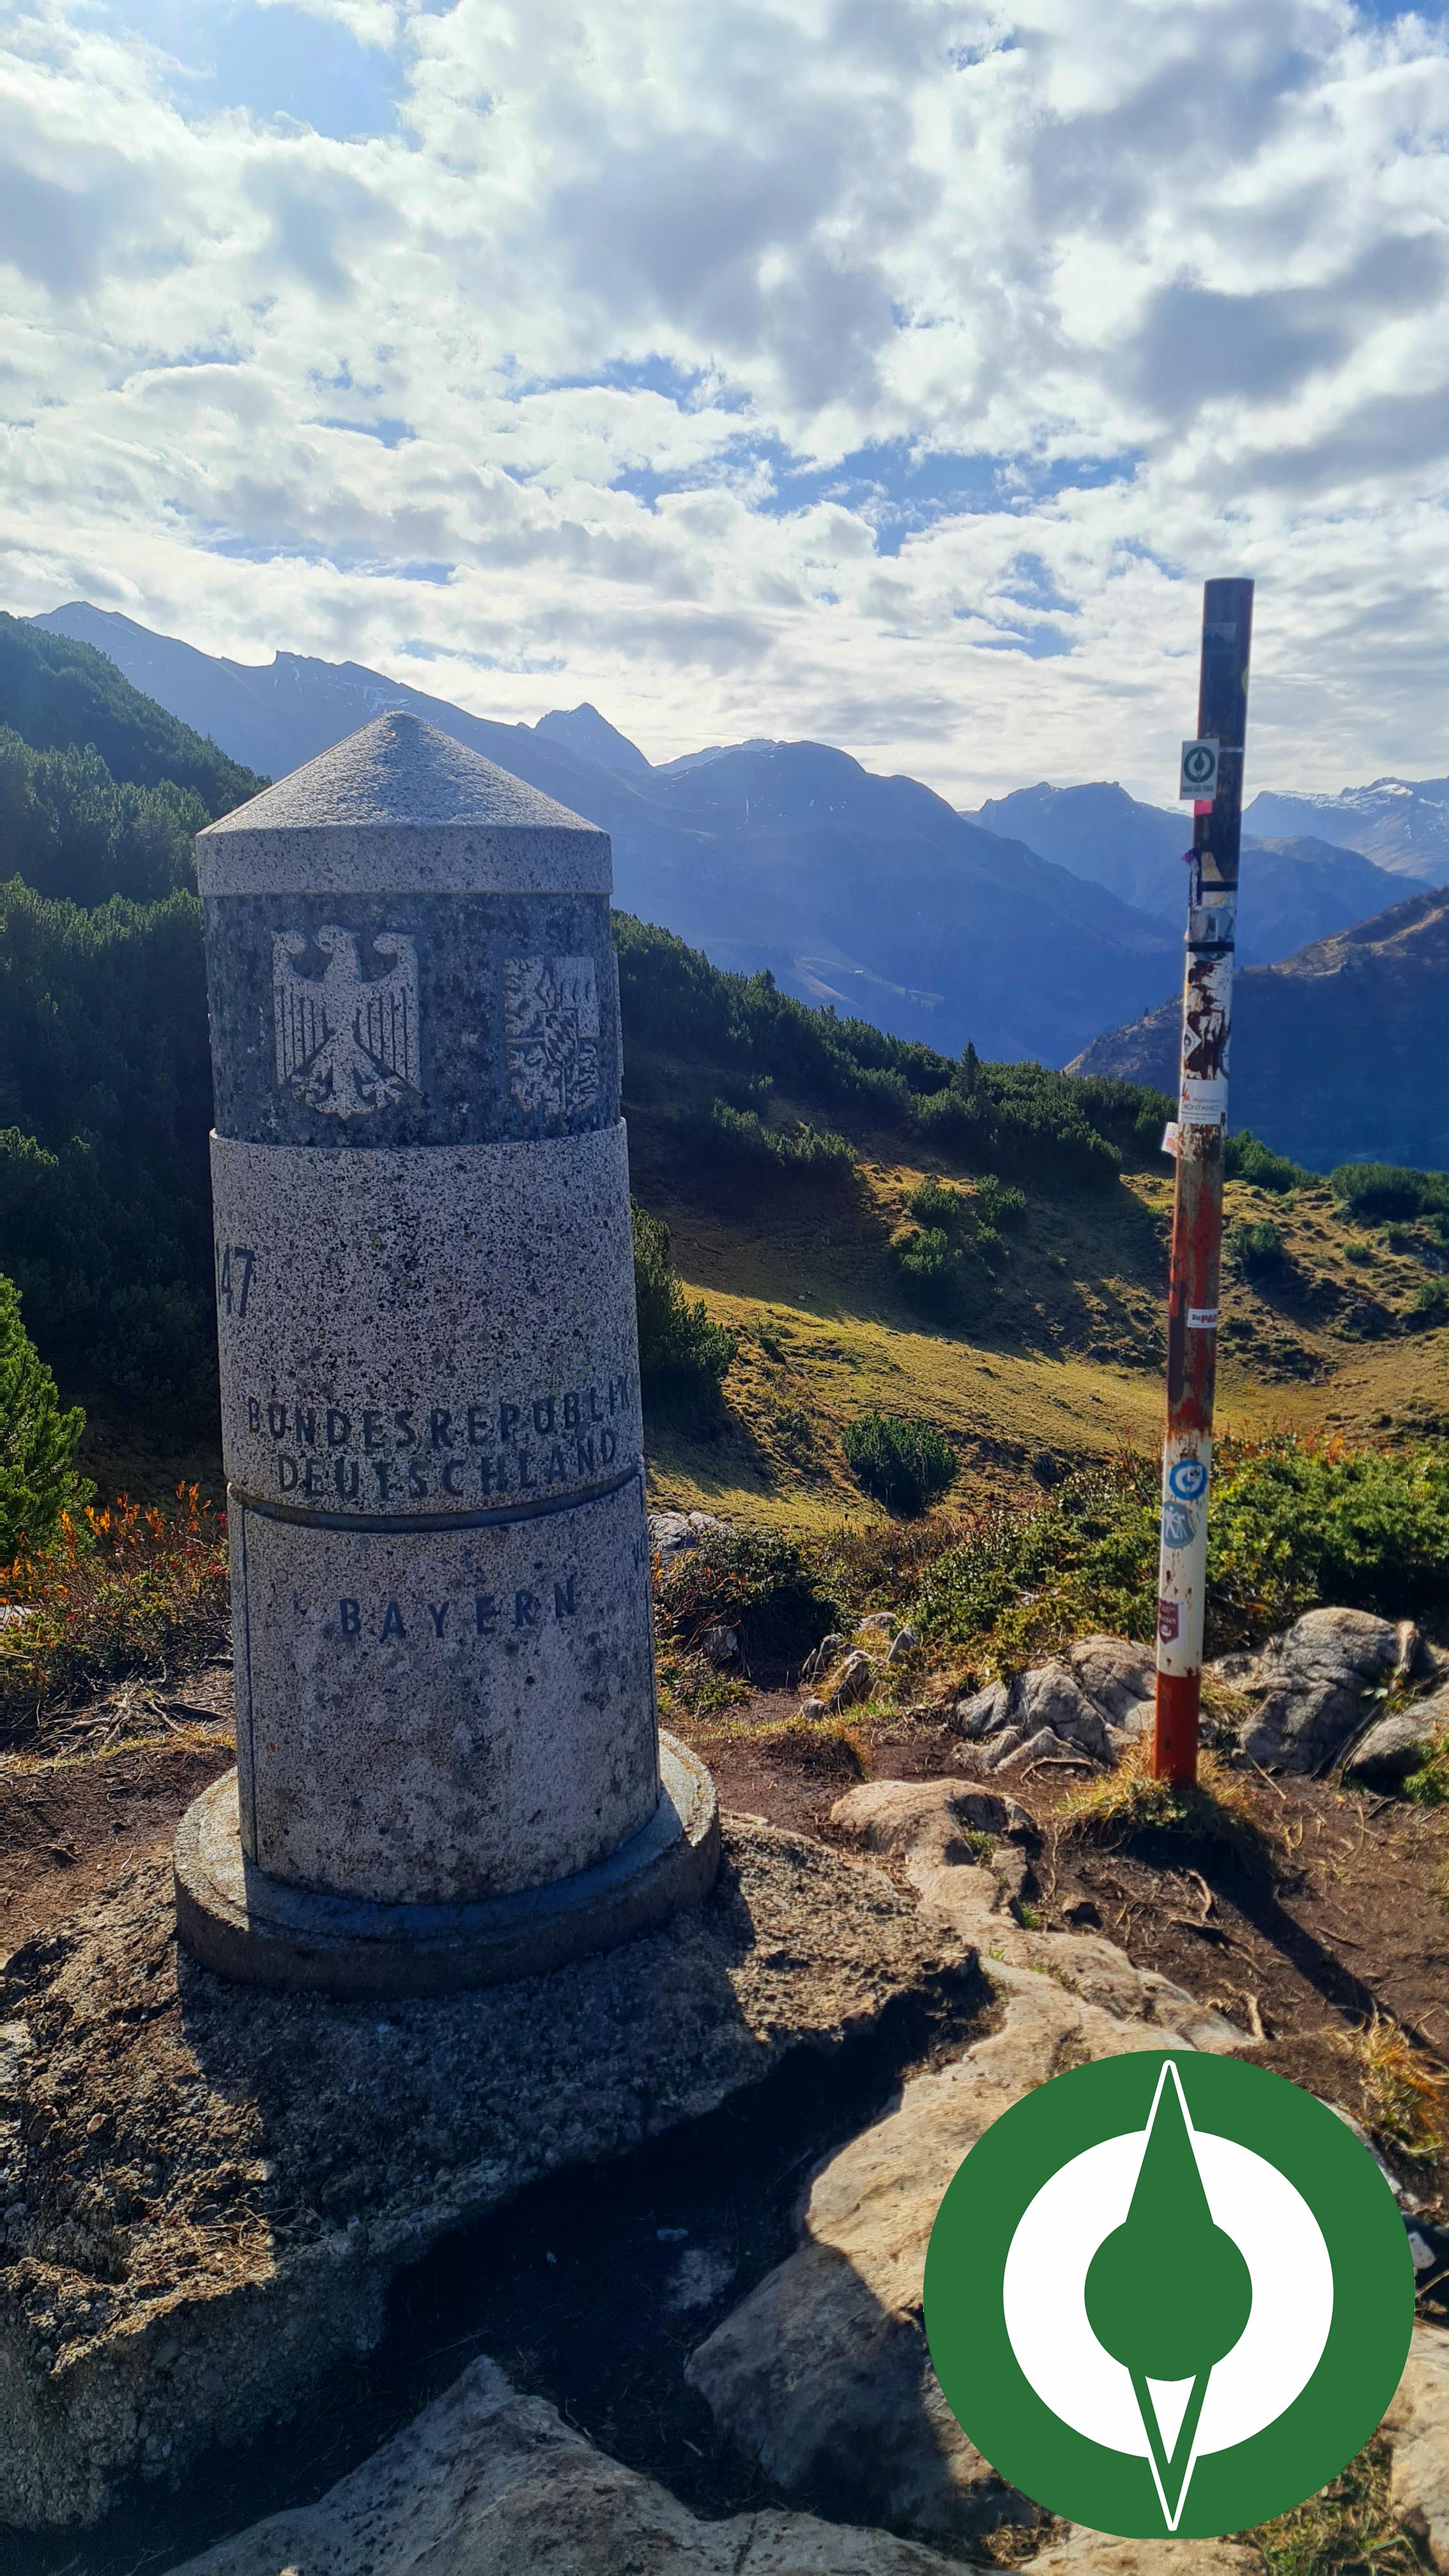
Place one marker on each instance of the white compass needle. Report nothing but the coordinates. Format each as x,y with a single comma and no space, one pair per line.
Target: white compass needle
1169,2326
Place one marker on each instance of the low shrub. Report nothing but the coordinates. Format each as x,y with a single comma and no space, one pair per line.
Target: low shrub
1373,1191
927,1265
1000,1205
1256,1249
1247,1158
1295,1521
937,1207
954,1239
906,1465
739,1139
760,1582
680,1351
880,1565
119,1593
1429,1304
955,1126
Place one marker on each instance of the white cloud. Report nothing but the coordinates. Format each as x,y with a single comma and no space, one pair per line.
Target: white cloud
883,370
370,22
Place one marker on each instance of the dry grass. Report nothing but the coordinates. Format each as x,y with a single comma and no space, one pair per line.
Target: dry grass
1347,2530
129,1595
1130,1801
1401,2089
1064,1360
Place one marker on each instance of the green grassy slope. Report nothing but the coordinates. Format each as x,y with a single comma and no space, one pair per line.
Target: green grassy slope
1057,1352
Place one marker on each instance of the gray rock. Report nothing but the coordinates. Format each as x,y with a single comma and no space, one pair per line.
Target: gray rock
1095,2553
919,1825
312,2148
1384,1757
1417,2424
1060,1695
1000,1748
877,1623
897,1819
720,1645
821,1657
1393,1747
1041,1747
488,2483
1314,1680
854,1681
1050,1695
984,1715
822,2374
901,1645
1116,1675
673,1534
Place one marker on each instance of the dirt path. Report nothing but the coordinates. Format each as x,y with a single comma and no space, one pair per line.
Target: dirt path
1335,1917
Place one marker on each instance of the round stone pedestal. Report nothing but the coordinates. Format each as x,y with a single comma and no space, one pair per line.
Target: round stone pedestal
233,1918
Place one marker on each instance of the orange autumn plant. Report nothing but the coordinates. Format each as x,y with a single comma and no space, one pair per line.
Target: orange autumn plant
133,1591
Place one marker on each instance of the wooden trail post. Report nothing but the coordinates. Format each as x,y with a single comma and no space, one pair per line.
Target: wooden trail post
1212,774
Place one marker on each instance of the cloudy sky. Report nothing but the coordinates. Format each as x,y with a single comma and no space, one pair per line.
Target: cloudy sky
885,371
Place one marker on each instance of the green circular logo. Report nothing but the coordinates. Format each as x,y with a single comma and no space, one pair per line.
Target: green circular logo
1169,2293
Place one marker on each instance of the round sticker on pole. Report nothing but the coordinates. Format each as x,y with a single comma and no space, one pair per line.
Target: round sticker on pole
1199,771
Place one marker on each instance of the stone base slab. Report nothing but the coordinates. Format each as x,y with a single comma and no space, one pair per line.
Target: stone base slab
258,1930
211,2186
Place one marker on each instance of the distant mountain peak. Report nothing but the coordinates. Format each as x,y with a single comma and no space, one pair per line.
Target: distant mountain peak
584,730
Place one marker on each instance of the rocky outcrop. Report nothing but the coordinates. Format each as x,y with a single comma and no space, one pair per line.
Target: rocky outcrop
1095,2553
673,1534
1384,1758
1091,1702
1417,2424
822,2373
1308,1697
923,1826
488,2483
217,2184
1313,1685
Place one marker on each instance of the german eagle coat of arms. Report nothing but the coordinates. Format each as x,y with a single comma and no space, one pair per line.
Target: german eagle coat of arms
347,1043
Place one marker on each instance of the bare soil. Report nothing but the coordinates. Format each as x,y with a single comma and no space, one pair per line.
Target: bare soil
591,2288
1330,1916
75,1823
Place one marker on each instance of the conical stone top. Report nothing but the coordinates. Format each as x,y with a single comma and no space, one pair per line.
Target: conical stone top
400,804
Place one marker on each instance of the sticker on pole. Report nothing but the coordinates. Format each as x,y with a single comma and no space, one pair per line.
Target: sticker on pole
1169,2293
1187,1478
1199,770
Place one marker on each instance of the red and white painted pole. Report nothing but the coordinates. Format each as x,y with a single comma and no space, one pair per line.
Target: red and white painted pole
1212,774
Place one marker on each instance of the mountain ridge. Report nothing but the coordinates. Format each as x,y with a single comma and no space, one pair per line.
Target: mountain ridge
1294,890
1333,1049
866,893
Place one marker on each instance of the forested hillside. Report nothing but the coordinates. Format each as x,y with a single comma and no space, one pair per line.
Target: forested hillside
60,695
948,1207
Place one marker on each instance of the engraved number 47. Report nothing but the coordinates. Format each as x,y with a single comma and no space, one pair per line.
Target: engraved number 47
237,1265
